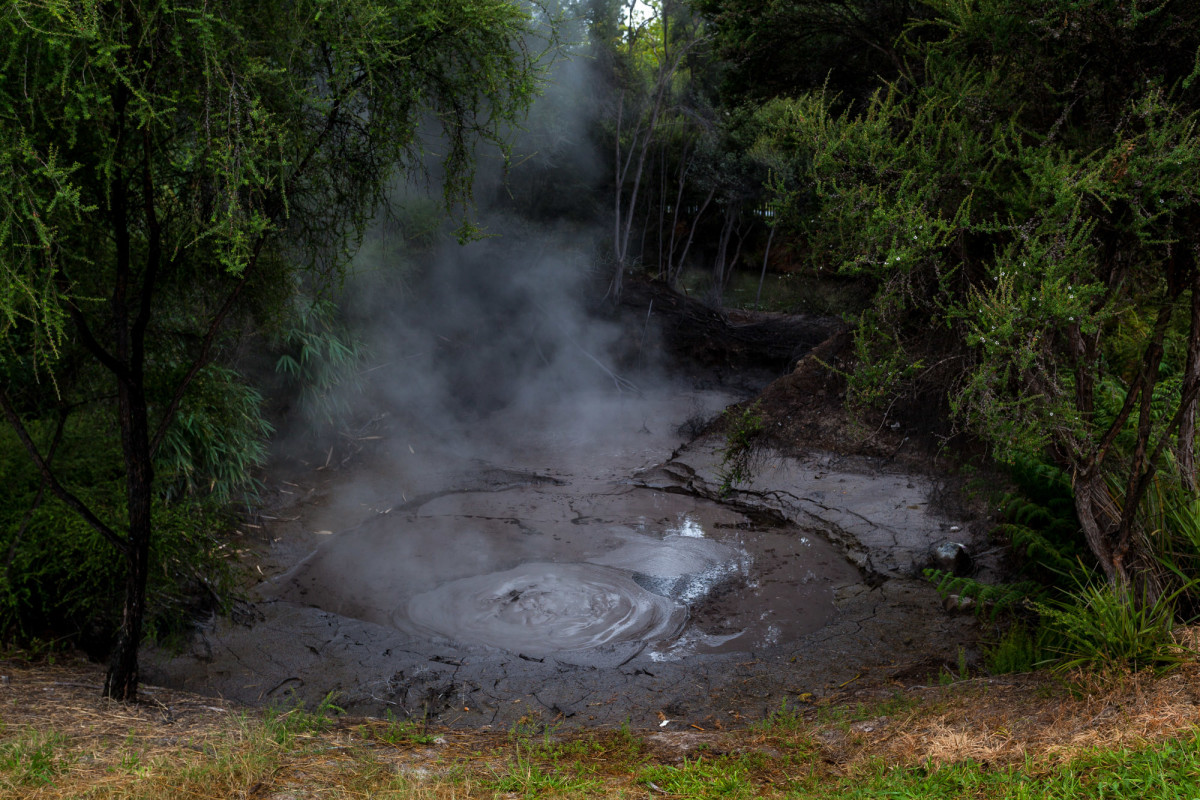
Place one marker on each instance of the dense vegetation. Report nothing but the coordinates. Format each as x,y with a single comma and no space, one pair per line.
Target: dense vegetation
1014,187
1008,189
173,174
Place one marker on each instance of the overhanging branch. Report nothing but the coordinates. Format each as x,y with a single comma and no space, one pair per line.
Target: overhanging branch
117,540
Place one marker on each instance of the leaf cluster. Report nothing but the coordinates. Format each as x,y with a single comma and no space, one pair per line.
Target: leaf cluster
1007,197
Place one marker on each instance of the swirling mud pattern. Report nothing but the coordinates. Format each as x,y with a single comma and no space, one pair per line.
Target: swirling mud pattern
539,608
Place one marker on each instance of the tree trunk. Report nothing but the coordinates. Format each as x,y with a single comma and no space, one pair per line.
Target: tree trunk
1099,517
1185,448
763,275
684,167
719,266
122,680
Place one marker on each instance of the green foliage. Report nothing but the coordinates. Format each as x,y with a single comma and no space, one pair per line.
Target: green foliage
1161,772
58,576
985,197
1101,627
171,171
783,720
1040,525
86,77
1093,625
525,777
701,778
742,432
396,731
285,725
216,439
534,770
1017,650
63,581
990,599
30,760
1063,615
320,360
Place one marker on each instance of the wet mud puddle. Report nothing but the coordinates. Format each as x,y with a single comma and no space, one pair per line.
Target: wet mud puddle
565,565
538,571
554,553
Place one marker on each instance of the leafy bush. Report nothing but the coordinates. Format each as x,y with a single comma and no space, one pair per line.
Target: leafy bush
1094,625
217,439
1101,627
62,580
1017,650
319,360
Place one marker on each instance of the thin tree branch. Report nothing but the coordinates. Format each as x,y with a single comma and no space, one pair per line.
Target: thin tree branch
41,493
94,347
1136,388
117,540
214,326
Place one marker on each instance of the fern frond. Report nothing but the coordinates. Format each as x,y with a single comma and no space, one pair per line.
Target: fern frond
993,598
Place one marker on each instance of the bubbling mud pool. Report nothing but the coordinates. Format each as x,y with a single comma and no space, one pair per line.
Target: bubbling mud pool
537,565
543,608
542,568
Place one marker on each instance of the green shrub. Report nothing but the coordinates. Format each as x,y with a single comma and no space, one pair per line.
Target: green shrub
65,581
319,361
61,581
1103,627
1017,650
1094,625
217,439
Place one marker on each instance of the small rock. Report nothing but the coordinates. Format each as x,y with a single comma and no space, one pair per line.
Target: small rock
953,557
956,602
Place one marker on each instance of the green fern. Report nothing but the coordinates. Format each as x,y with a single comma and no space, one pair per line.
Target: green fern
994,598
1040,550
1044,484
1040,524
1026,513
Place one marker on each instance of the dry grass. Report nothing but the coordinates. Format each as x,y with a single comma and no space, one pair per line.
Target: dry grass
177,745
1030,719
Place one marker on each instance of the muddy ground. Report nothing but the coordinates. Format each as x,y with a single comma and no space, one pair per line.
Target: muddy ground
579,561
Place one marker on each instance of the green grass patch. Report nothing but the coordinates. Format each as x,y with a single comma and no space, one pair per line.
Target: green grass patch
1167,771
33,758
701,778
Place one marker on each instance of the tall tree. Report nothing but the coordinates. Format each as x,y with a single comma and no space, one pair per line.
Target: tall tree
166,165
642,67
1029,190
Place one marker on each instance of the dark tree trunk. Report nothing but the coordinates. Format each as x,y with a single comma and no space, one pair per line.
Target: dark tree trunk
1185,453
1100,518
122,680
719,264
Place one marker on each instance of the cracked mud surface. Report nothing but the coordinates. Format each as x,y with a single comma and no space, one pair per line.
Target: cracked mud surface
799,583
